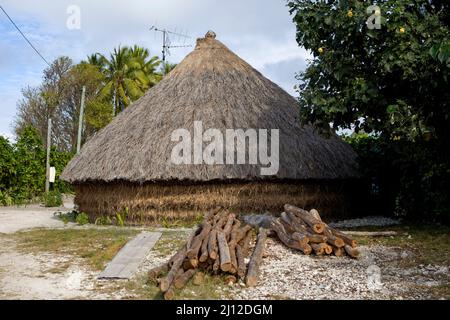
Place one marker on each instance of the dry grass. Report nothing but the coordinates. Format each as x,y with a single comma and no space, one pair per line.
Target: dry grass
96,246
149,203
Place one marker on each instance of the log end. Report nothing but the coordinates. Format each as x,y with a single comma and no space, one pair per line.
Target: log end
339,243
164,285
169,295
251,281
225,267
352,252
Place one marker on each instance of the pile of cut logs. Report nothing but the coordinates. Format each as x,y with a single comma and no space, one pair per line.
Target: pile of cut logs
305,231
221,244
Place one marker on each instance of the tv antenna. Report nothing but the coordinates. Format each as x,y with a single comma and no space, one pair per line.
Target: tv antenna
166,44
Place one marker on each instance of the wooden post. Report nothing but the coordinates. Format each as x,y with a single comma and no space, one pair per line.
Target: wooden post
47,162
80,120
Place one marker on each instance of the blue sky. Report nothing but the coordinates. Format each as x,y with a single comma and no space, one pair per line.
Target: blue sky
259,31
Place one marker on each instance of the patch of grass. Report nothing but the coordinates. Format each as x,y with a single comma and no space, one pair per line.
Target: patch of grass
169,242
96,246
61,268
441,291
430,243
52,199
213,287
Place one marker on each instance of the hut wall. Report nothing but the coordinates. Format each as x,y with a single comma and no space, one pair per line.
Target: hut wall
152,202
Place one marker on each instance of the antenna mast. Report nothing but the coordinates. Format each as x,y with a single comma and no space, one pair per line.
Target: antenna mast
166,45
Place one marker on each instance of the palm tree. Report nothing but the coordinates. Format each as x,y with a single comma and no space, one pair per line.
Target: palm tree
129,72
167,67
148,65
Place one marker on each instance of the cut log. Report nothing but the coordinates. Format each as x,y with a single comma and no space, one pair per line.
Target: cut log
255,261
230,280
156,272
176,262
347,239
276,226
222,220
189,264
316,225
233,259
242,232
338,252
301,238
182,279
198,279
228,226
224,252
216,266
328,249
235,230
298,224
240,261
316,238
332,239
204,249
167,281
169,293
318,248
192,253
212,244
352,252
245,243
315,214
288,227
209,216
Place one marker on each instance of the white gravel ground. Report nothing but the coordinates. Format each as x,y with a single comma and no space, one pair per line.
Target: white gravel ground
286,274
366,222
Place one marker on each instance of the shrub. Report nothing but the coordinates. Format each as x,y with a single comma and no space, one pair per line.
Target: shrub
22,169
82,219
52,199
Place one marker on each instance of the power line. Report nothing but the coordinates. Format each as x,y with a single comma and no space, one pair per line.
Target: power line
26,39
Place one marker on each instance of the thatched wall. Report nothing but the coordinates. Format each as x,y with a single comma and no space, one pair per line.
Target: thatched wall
151,202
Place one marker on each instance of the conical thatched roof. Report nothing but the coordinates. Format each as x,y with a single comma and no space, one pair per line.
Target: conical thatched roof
215,86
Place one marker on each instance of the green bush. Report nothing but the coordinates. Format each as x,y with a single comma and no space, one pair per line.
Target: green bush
82,219
52,199
22,168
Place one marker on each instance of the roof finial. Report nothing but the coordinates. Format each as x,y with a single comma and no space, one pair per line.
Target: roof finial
210,34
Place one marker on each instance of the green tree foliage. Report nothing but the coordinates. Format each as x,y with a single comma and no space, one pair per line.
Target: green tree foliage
129,72
58,98
22,168
390,82
111,85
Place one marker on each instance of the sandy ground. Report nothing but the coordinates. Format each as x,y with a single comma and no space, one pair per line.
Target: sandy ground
28,276
18,218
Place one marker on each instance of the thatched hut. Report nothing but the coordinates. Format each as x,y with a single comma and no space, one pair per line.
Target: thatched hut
128,163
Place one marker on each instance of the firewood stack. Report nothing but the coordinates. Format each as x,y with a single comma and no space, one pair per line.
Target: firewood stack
219,245
305,231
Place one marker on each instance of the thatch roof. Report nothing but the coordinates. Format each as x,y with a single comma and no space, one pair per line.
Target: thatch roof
214,85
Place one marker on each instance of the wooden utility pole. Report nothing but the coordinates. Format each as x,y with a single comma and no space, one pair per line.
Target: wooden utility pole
47,163
80,120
